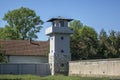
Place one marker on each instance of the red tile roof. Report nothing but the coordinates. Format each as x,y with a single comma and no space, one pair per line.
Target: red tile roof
25,47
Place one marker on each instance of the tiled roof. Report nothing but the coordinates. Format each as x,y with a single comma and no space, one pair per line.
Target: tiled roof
25,47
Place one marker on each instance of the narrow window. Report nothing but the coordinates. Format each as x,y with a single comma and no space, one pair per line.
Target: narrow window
53,24
62,51
62,65
62,38
51,50
62,23
51,38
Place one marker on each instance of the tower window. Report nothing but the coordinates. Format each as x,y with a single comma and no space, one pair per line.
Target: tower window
51,38
62,65
62,38
62,51
62,23
53,24
51,50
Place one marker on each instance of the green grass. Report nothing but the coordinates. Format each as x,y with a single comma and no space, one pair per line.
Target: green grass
57,77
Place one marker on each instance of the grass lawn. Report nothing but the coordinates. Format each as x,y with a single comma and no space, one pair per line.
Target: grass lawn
57,77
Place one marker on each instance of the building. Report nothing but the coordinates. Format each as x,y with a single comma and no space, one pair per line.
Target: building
59,55
25,51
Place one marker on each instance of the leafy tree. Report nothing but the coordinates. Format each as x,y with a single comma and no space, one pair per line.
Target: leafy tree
8,33
1,33
2,56
112,44
75,25
108,46
89,39
1,29
83,41
23,23
118,43
86,44
102,45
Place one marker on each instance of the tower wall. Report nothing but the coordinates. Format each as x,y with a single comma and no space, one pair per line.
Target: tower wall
59,55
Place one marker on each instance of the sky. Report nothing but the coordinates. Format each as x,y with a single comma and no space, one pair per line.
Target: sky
98,14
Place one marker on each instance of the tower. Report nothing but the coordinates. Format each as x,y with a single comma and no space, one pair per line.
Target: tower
59,55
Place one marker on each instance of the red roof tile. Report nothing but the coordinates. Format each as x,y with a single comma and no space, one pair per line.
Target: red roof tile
25,47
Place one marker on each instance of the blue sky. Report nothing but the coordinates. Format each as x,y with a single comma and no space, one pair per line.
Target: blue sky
98,14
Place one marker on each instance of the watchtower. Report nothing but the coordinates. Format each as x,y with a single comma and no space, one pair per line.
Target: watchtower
59,55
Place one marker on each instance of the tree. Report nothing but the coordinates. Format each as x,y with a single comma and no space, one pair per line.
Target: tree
86,44
118,43
102,45
89,39
108,46
83,41
112,44
75,25
1,33
2,56
23,23
8,33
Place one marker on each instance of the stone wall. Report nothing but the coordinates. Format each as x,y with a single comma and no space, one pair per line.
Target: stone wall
104,67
